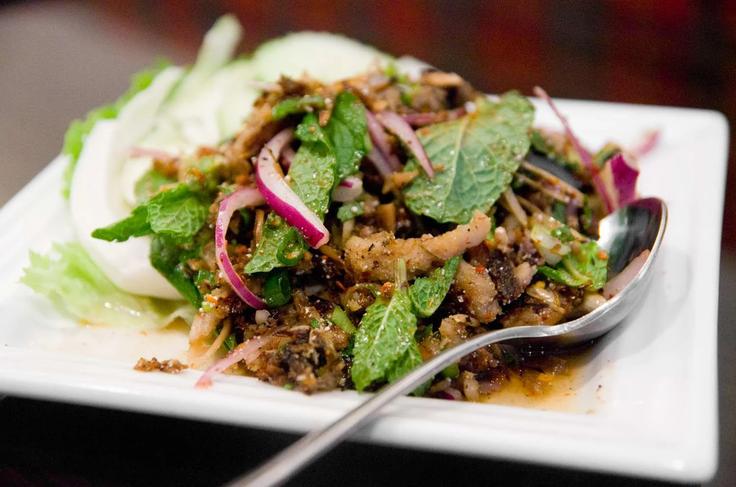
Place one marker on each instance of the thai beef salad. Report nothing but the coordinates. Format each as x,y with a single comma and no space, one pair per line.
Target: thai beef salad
327,217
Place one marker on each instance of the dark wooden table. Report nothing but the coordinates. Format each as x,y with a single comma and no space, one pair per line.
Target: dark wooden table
56,61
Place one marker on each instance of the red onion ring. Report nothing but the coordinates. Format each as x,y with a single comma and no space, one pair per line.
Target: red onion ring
239,199
647,144
281,198
582,151
381,145
247,351
349,188
398,126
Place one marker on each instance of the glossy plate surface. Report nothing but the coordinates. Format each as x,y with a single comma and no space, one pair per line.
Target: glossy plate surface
645,402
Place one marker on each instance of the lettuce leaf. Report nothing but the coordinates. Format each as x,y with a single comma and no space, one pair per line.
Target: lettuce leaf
475,158
69,278
79,129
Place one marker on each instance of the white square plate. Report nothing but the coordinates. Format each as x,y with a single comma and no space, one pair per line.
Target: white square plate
645,403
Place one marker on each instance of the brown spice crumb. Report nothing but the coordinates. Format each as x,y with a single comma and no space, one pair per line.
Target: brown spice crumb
171,366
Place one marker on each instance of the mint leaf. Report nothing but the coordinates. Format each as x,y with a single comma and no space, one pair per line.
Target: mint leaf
347,130
475,158
310,131
312,175
585,267
177,213
385,333
136,225
427,293
294,105
350,210
79,129
410,360
168,258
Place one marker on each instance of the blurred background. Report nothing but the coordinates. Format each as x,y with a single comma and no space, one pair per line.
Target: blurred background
58,59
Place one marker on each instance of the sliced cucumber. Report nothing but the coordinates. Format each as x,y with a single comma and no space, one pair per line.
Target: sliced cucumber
323,56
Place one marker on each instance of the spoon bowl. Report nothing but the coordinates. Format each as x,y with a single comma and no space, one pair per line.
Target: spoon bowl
632,233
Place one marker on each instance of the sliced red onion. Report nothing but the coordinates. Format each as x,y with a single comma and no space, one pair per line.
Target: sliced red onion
239,199
381,145
281,198
379,161
398,126
348,190
580,149
247,351
422,119
287,157
624,178
647,144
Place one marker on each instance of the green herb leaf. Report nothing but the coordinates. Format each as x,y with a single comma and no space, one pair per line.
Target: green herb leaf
584,267
230,342
474,157
563,234
294,105
427,293
410,360
340,318
177,213
79,129
136,225
385,333
347,130
452,371
169,259
568,159
277,288
350,210
310,131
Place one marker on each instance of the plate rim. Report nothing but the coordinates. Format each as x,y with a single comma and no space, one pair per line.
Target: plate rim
702,461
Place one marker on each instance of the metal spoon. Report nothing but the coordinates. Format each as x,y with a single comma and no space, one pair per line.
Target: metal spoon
624,234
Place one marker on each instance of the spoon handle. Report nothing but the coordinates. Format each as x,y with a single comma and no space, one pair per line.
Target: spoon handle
301,453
